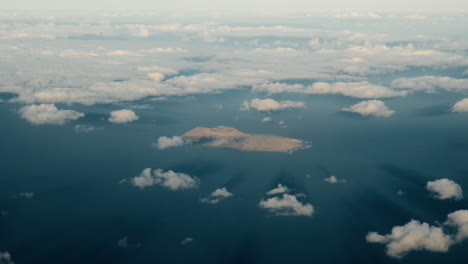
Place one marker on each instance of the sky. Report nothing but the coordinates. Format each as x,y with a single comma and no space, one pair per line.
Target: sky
249,5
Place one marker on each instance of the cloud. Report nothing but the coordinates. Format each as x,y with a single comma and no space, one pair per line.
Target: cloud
167,142
412,236
422,236
333,179
374,108
217,196
48,114
123,242
28,195
163,70
266,119
430,83
5,258
186,241
156,76
122,116
445,189
270,105
279,189
86,128
287,205
170,179
461,106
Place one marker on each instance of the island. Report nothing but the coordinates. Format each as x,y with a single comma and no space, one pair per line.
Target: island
223,136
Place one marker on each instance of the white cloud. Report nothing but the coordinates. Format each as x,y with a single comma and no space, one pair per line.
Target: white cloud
461,106
48,114
169,179
266,119
412,236
86,128
163,70
459,220
422,236
123,53
430,83
167,142
156,76
28,195
217,196
287,205
333,179
354,89
5,258
374,108
270,105
279,189
445,189
186,241
122,116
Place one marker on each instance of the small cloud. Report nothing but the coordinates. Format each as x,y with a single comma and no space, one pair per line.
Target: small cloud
287,205
333,179
186,241
461,106
5,258
86,128
122,116
400,193
169,179
270,105
279,189
48,114
374,108
282,124
123,242
166,142
266,119
28,195
217,196
445,189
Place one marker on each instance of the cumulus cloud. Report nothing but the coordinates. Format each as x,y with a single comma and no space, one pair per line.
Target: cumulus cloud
333,179
169,179
48,114
5,258
279,189
28,195
270,105
217,196
122,116
287,205
445,189
430,83
167,142
374,108
422,236
461,106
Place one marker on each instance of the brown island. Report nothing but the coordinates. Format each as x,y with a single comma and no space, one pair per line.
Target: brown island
229,137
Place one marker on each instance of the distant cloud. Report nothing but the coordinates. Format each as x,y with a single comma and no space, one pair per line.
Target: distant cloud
270,105
123,242
266,119
445,189
416,236
5,258
186,241
122,116
48,114
400,193
167,142
374,108
461,106
217,196
27,194
86,128
279,189
333,179
430,83
286,204
169,179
